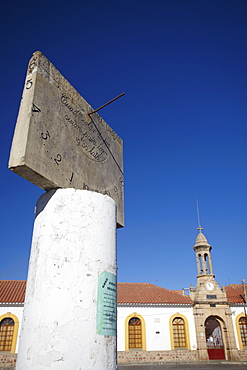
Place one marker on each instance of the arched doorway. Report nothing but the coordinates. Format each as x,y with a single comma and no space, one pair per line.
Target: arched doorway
214,340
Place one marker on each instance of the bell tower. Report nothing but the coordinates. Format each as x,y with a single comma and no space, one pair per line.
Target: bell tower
203,255
212,313
206,287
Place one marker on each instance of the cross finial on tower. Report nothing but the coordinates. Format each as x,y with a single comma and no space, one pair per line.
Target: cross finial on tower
200,228
198,217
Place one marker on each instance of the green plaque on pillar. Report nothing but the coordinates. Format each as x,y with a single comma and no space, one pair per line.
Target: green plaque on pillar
107,304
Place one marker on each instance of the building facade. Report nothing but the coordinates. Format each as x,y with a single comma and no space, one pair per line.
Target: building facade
154,319
158,324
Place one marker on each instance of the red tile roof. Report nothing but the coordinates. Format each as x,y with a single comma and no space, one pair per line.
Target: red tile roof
12,291
235,293
145,293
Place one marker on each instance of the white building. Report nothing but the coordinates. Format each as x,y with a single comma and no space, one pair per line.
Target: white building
147,314
157,324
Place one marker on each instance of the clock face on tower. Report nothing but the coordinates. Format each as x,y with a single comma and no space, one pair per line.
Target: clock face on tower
210,286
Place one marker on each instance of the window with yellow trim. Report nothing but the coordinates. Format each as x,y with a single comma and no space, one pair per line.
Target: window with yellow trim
179,334
6,334
135,333
242,322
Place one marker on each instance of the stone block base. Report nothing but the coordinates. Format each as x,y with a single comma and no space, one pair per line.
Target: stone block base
242,355
156,356
7,361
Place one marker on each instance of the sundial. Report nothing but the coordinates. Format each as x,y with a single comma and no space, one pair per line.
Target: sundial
60,142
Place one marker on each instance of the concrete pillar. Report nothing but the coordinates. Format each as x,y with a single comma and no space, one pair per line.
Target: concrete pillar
72,274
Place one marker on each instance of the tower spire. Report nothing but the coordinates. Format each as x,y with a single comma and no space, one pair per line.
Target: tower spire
200,228
202,249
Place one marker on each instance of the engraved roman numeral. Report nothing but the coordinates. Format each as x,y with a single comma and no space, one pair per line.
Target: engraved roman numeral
71,177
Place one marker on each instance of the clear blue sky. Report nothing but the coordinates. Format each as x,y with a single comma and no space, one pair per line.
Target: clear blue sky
182,65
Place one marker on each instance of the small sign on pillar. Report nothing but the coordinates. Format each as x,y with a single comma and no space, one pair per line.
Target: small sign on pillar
60,143
106,304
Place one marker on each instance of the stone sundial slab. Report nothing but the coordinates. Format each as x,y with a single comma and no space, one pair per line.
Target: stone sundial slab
57,144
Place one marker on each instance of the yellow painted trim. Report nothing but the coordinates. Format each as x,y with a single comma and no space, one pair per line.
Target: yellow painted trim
187,336
238,330
127,330
16,328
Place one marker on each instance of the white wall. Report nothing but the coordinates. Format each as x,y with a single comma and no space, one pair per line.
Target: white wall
156,320
236,310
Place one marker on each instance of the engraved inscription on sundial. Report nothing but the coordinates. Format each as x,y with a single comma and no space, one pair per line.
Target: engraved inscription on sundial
58,145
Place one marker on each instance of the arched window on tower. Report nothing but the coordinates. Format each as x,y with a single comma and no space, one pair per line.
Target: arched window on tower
242,322
206,263
179,334
200,268
6,333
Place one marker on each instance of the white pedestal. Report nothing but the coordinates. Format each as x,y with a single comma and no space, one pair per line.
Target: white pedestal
74,241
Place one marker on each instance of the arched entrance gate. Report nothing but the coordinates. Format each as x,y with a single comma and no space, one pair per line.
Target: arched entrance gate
215,344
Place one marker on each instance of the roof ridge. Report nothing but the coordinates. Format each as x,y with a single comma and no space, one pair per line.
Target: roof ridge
12,280
119,282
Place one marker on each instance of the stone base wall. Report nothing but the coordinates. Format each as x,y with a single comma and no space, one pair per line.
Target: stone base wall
8,360
156,356
242,355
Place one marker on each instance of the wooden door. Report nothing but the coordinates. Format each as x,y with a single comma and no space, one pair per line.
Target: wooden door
135,333
179,337
6,334
243,331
